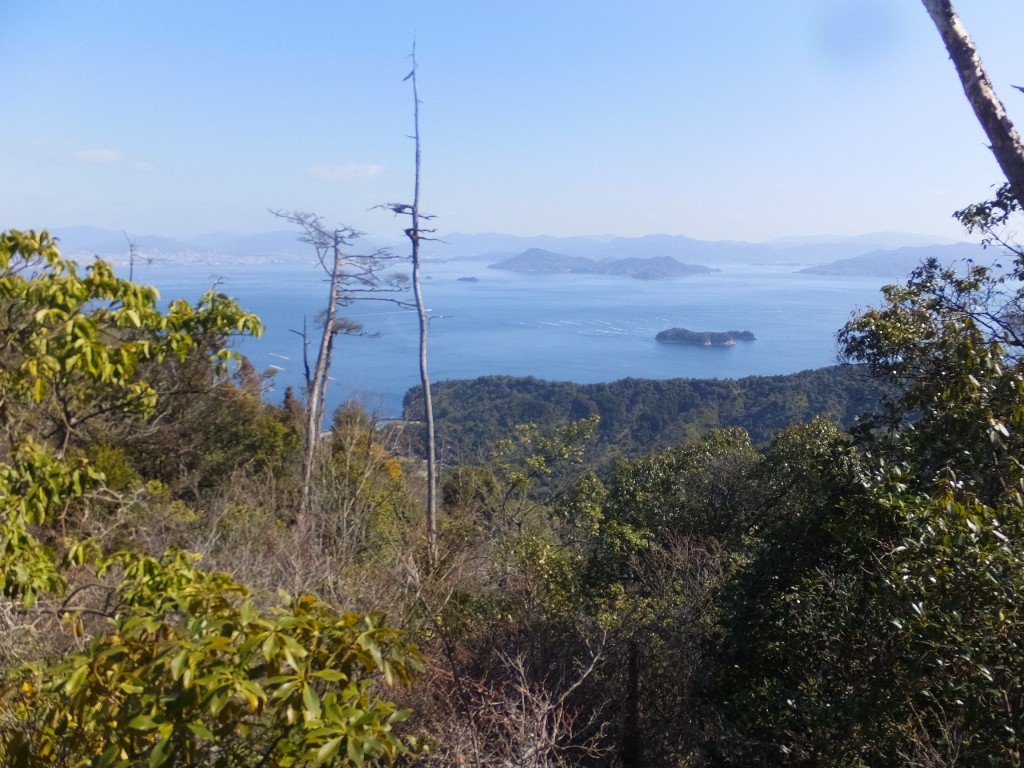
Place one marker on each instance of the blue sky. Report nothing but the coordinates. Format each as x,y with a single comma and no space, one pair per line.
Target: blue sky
731,119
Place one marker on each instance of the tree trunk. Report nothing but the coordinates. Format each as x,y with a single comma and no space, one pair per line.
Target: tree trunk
631,746
316,387
1006,142
428,414
413,234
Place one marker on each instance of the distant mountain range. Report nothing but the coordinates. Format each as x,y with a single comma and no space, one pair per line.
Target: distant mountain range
885,254
797,252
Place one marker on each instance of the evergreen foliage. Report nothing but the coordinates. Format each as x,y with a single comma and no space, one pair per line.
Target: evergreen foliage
640,415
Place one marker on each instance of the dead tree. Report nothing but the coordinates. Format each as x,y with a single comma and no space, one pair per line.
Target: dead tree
350,277
133,256
417,234
1006,142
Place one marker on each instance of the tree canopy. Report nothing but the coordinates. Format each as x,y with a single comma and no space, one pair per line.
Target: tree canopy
164,663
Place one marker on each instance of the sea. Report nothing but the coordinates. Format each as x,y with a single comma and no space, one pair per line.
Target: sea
561,327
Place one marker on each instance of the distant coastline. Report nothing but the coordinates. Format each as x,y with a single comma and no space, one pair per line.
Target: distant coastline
603,254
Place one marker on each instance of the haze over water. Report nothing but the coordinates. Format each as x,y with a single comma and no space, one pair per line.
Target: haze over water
581,328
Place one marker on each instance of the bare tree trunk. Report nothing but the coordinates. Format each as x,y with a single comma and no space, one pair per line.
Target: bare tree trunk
1006,142
351,277
428,406
316,387
133,251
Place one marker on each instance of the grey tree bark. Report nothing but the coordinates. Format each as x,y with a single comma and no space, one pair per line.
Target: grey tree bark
1005,141
328,247
348,277
415,232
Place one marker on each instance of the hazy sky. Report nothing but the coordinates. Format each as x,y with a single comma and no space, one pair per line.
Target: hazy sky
720,119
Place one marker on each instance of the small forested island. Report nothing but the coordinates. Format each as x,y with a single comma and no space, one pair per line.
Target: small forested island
704,338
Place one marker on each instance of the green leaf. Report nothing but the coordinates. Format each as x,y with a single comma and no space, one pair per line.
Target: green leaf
201,731
75,681
109,756
270,646
331,675
355,751
219,700
311,702
399,716
248,613
178,664
160,754
142,723
328,750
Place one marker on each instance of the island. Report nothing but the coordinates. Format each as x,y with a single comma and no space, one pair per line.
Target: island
704,338
469,279
537,260
899,262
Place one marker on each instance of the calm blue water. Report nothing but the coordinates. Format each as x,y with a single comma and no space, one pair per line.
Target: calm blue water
582,328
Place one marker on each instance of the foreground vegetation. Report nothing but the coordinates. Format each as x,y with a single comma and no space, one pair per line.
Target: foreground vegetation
825,591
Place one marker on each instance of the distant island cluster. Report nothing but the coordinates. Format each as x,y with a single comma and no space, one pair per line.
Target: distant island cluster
704,338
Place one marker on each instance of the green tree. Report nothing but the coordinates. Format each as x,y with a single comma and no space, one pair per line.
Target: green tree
74,347
877,621
947,345
662,532
801,633
171,665
191,670
951,345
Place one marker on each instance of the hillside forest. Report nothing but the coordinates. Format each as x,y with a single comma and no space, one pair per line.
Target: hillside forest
820,569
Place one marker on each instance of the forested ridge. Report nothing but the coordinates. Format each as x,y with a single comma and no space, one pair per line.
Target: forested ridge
640,415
